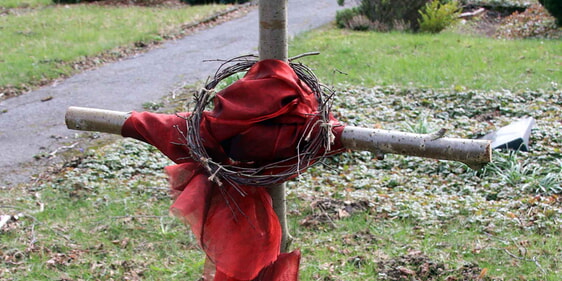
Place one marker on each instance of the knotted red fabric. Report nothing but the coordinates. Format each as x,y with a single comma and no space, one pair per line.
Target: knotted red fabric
259,119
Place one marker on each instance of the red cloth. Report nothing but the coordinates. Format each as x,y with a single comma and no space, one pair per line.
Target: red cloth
259,119
286,267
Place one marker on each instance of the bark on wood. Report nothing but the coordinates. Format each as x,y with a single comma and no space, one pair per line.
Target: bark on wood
273,29
98,120
273,45
474,153
278,197
468,15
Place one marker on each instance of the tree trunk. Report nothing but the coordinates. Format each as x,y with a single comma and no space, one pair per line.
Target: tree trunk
273,45
273,29
278,197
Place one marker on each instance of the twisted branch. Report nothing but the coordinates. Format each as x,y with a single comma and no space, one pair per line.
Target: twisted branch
311,147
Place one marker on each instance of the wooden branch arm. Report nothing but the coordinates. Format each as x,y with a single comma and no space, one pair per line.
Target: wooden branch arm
97,120
474,153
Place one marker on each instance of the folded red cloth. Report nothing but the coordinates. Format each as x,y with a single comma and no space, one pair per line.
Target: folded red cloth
259,119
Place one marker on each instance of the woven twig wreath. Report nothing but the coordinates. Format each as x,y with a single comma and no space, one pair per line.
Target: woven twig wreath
312,144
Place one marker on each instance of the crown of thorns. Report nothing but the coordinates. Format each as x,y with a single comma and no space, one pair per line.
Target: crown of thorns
311,147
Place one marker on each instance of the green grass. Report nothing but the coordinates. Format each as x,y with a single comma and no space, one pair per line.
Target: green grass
91,230
39,44
24,3
332,254
445,60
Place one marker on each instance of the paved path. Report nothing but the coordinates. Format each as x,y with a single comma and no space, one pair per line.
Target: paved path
31,126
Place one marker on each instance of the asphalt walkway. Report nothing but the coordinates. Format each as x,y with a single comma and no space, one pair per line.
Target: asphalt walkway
31,126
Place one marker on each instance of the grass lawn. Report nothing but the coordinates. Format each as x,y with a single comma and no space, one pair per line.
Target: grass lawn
8,4
46,43
104,215
445,60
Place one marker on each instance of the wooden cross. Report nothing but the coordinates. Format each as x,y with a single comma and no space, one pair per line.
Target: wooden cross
273,45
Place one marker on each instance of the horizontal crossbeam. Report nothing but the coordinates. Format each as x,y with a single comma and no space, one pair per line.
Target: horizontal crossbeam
474,153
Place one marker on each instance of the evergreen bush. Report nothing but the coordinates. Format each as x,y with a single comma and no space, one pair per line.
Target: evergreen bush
391,14
386,15
436,16
352,19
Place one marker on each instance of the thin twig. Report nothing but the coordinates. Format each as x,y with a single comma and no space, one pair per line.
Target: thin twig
138,216
177,89
33,237
54,152
10,207
328,216
304,55
533,259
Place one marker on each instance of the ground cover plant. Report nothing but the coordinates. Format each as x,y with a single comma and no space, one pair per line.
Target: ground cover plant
45,42
355,218
103,216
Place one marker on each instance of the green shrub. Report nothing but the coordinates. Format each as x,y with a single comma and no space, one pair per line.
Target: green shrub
393,14
436,16
554,7
385,15
352,19
343,17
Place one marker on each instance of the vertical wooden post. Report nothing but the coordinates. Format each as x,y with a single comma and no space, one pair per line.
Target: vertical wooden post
273,29
273,45
277,193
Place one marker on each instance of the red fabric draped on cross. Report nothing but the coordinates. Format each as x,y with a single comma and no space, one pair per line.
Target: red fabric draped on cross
259,119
